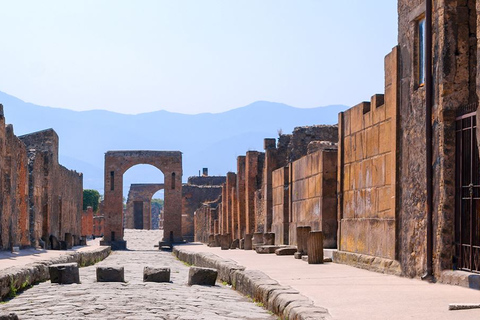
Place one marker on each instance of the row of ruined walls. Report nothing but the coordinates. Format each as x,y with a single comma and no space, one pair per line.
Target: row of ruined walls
381,166
40,199
250,197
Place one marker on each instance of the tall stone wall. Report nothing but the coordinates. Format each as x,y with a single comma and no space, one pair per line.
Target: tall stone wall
87,222
367,176
314,201
40,198
55,193
192,199
455,92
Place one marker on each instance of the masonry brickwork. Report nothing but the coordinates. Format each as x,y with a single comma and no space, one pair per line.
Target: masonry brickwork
41,200
138,212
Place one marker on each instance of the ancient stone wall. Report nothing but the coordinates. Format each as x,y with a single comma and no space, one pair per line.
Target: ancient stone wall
40,198
206,180
87,222
55,193
314,201
193,196
367,175
455,59
98,225
141,194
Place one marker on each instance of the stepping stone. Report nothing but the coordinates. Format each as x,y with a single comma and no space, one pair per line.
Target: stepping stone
287,251
64,273
151,274
110,274
202,276
10,316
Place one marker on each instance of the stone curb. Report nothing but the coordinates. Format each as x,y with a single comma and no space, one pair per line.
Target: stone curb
371,263
284,301
15,279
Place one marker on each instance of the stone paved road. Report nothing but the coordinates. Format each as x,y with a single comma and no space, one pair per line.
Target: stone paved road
134,299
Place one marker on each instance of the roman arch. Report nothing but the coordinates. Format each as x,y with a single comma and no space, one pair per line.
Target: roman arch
116,164
139,205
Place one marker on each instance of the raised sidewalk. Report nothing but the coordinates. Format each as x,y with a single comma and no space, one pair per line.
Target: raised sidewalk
21,269
348,292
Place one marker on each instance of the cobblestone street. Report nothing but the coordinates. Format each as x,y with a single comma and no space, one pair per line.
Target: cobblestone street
134,299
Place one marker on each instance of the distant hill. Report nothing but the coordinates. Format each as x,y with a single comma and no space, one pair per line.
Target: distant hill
206,140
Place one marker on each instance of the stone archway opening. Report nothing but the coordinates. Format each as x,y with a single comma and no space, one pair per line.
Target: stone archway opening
116,164
139,213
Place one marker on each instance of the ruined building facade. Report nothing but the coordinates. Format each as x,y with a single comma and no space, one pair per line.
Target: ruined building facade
407,190
41,201
292,183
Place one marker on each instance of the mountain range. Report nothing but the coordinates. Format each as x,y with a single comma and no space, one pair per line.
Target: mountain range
212,140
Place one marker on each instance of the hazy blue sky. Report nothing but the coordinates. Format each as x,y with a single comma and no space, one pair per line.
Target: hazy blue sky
194,56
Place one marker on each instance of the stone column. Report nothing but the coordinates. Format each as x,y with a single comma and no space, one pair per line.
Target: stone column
241,199
302,238
270,165
315,247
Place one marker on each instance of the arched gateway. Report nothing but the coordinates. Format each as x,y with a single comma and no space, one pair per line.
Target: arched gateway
116,164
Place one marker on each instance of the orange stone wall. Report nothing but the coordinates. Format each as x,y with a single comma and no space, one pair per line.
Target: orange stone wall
313,197
367,175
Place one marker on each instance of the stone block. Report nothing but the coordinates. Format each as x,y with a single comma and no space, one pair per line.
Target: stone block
151,274
66,273
248,242
287,251
241,244
110,274
10,316
235,244
202,276
266,249
269,238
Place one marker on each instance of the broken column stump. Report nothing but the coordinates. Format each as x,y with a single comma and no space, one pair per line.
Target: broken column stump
216,242
248,242
211,240
302,238
64,273
269,239
151,274
202,276
235,244
257,239
315,247
225,241
110,274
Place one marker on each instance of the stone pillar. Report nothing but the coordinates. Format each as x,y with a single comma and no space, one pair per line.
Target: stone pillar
257,239
269,238
223,220
231,204
302,239
270,165
253,177
241,199
315,247
248,242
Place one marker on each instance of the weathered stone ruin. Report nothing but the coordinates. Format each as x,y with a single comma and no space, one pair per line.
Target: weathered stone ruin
195,192
116,164
41,200
406,189
254,203
138,214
